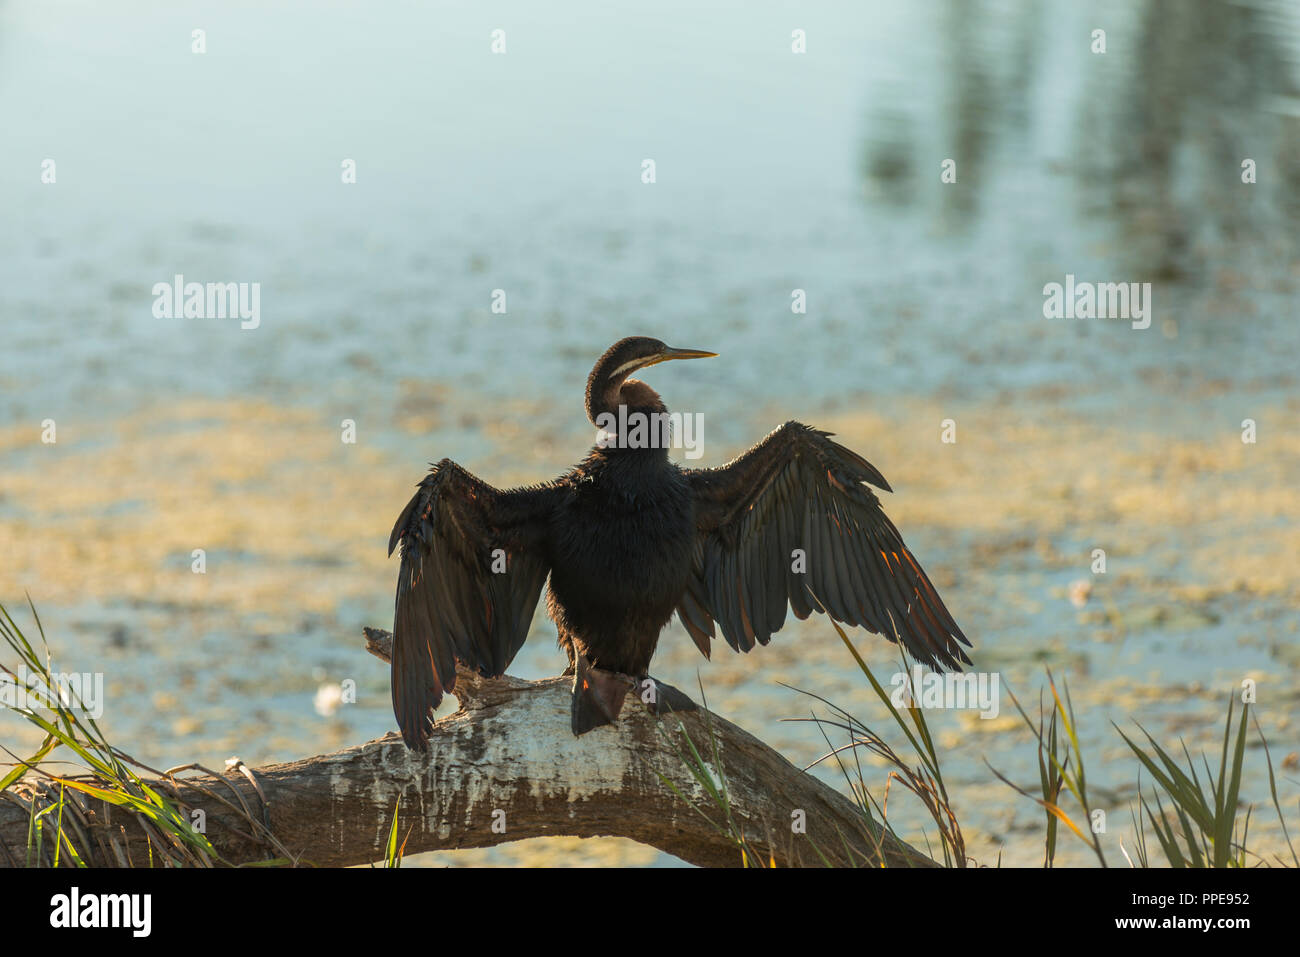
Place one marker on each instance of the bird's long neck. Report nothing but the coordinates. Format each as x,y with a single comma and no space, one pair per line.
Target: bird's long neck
631,418
604,386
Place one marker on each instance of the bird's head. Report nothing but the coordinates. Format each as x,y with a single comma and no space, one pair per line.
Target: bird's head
608,386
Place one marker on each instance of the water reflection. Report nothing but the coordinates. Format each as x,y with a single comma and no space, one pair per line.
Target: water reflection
1155,130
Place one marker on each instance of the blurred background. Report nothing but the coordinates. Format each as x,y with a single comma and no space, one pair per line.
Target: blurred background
774,171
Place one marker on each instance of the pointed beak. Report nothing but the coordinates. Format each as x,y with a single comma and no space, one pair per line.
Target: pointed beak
680,354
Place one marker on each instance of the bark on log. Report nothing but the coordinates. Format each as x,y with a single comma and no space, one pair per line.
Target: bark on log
504,767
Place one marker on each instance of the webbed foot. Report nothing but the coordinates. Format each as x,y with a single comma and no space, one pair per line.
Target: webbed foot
598,695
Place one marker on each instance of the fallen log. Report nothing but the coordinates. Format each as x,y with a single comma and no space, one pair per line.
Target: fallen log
503,767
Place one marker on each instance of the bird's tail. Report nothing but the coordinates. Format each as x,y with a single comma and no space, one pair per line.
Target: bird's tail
597,696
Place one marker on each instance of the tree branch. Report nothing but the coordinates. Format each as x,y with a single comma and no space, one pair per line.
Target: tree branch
504,767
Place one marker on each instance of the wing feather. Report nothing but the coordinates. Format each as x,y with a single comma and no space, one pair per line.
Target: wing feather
797,489
451,604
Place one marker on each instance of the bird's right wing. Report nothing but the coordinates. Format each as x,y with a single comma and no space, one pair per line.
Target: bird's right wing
473,566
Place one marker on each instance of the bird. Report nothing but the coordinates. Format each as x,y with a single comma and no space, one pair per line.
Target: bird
627,538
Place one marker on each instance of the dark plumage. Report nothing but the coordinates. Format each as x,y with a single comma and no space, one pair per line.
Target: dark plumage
627,538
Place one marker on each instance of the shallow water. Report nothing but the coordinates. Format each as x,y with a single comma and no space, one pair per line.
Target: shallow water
775,172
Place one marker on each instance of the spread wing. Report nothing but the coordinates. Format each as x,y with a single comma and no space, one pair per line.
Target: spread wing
473,566
791,521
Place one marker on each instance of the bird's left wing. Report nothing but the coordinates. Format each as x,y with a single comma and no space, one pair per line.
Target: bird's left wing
473,566
792,520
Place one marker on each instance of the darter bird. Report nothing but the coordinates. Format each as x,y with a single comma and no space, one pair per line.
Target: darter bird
628,537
